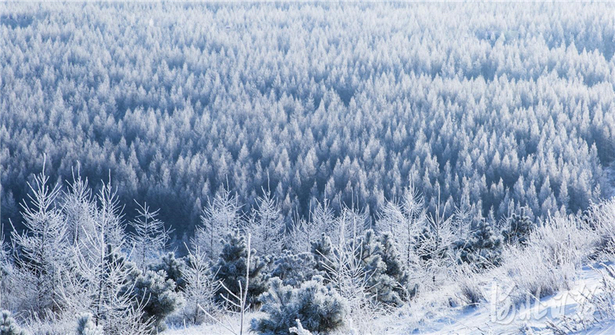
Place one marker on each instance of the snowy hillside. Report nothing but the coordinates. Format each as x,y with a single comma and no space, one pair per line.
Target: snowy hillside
272,168
567,311
562,312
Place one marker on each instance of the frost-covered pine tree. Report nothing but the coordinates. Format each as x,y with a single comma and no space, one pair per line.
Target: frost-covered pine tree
322,250
100,273
118,309
85,325
433,246
396,271
463,217
342,267
518,228
100,287
294,269
319,308
386,276
155,296
305,232
173,267
110,226
267,226
322,220
404,220
8,325
351,223
483,248
150,236
200,286
299,236
42,247
79,209
231,268
218,218
370,261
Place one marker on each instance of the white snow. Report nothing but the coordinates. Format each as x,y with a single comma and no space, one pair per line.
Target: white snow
534,317
431,315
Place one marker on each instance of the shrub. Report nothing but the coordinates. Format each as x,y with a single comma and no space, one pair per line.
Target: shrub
231,270
85,325
317,307
483,249
369,265
174,269
519,227
469,287
387,278
554,252
601,218
158,297
8,325
322,250
595,309
294,269
604,300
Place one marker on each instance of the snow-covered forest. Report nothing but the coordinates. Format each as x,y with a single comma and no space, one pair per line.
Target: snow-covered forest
332,167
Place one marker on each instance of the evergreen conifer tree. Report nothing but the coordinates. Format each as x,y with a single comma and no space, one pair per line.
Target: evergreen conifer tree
519,227
387,279
321,250
294,269
200,286
396,270
230,269
318,307
218,217
267,226
483,249
86,326
150,237
174,269
157,295
8,325
42,247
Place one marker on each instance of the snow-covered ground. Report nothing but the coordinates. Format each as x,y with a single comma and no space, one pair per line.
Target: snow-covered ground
531,317
428,316
227,325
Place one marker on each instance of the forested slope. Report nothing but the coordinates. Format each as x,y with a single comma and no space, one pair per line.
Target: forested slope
490,108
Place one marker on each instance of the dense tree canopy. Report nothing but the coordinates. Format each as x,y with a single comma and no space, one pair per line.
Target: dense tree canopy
489,107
